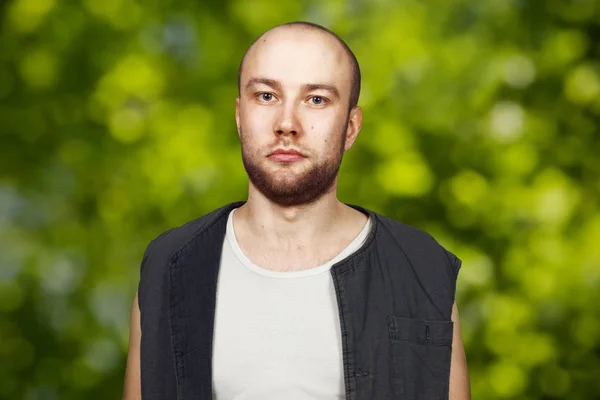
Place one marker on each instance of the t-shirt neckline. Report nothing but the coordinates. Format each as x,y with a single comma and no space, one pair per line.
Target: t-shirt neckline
353,246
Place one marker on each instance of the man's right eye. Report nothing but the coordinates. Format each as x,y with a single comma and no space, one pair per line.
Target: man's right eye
265,96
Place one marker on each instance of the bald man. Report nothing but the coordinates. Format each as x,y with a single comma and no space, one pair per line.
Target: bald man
292,294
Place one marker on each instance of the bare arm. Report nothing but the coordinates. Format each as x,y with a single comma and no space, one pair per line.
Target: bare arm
459,374
132,389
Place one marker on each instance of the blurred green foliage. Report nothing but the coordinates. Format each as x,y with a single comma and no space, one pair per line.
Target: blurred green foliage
480,126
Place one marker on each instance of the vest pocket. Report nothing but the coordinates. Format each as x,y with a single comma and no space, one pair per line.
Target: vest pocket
420,358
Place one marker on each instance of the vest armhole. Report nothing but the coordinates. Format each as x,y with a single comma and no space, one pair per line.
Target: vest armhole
455,263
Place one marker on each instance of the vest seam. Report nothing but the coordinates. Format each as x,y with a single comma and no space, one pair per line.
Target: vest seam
365,246
345,341
174,334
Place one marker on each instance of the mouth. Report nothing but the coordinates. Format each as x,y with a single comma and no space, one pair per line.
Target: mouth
281,155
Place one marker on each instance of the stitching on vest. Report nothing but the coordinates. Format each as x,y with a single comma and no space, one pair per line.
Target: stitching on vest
366,245
345,354
173,334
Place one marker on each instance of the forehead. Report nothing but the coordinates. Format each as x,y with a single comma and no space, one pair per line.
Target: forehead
296,56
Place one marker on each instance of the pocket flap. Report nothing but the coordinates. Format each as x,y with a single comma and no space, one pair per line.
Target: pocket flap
436,333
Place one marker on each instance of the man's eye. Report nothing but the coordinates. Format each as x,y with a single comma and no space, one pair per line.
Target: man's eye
266,96
317,100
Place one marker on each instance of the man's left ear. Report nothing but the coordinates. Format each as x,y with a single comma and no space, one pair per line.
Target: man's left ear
354,125
237,114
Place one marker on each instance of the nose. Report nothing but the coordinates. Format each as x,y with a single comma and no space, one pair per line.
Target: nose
287,121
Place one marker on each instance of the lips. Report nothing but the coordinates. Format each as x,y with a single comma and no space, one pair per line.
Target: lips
283,155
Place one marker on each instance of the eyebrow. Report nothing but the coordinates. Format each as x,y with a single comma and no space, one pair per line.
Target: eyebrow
306,87
309,87
264,81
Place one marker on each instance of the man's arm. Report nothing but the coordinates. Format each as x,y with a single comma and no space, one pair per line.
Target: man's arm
459,374
132,389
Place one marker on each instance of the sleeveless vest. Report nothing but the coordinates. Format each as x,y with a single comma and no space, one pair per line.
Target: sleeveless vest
394,294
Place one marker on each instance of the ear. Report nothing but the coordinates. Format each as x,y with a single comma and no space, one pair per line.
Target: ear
237,114
354,125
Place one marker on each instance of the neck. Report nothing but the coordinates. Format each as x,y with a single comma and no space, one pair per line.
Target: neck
286,226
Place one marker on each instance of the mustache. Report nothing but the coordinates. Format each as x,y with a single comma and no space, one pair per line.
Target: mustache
286,145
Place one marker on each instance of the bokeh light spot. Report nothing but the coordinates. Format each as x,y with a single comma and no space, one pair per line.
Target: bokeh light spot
506,121
507,379
405,176
39,69
582,84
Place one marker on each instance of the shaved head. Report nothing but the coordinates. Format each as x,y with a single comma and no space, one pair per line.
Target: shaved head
352,62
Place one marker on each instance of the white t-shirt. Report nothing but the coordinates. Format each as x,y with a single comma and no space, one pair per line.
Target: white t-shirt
277,334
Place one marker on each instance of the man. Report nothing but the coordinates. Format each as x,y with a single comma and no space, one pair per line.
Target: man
294,294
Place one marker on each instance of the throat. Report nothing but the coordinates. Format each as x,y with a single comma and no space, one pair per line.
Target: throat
288,255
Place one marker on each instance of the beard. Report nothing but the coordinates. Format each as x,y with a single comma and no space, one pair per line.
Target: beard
286,188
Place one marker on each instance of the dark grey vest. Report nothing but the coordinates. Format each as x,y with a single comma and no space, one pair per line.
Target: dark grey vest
395,297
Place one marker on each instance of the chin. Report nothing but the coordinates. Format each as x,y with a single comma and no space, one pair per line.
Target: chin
284,183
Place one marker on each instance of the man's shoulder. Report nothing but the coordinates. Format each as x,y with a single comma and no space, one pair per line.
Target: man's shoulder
172,240
416,242
404,230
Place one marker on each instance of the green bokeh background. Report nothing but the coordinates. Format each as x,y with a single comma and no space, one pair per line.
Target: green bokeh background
480,126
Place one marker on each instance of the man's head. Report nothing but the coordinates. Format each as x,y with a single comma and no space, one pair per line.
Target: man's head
298,88
353,62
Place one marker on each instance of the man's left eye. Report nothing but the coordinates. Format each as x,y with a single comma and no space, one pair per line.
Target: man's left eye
317,100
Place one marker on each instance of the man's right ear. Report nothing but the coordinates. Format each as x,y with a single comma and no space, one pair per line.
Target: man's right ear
237,114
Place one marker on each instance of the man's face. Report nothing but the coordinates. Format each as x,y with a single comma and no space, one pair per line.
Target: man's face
294,95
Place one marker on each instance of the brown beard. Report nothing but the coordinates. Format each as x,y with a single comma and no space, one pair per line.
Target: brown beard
306,188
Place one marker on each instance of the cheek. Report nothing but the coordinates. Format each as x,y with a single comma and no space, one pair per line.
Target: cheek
318,125
255,118
255,133
330,132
